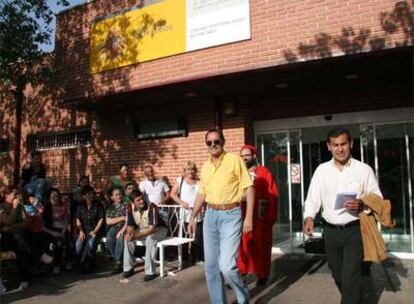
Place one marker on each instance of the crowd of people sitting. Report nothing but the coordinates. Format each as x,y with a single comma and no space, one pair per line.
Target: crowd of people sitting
40,225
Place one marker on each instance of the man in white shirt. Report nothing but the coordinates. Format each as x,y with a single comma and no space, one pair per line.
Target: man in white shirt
155,190
341,230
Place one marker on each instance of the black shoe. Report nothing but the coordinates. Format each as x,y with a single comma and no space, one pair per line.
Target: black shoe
127,274
117,267
149,277
261,282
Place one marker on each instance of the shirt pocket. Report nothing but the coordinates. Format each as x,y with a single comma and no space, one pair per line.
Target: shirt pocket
355,186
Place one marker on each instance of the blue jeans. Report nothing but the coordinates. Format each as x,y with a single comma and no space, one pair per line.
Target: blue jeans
79,245
39,188
114,245
222,232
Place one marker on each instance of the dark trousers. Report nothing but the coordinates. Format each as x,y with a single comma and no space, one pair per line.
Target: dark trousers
8,243
197,248
39,243
345,253
63,248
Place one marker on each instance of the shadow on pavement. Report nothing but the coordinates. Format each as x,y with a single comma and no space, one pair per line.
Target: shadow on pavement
48,284
289,269
285,272
382,277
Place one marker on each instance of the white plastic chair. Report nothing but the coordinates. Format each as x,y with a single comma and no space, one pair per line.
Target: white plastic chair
176,235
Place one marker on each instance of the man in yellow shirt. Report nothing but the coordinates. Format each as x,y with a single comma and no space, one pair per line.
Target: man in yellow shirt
224,181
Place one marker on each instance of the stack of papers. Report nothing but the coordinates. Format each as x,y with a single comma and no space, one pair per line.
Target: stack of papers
342,198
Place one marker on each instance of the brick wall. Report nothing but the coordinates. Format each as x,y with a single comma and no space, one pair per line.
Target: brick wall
282,32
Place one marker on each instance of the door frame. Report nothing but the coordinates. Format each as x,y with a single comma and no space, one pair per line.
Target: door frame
289,177
376,116
376,170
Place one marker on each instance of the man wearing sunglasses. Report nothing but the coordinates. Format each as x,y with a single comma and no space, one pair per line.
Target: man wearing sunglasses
224,180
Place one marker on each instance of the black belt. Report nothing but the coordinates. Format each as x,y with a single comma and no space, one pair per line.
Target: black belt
340,226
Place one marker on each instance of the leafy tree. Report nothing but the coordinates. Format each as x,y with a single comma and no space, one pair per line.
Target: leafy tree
24,26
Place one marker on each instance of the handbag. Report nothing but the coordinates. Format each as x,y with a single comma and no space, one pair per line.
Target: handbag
315,245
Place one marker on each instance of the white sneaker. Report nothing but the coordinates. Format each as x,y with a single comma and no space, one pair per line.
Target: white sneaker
56,270
45,258
139,260
24,285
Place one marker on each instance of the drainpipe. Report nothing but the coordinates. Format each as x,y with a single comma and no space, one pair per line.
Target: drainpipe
19,96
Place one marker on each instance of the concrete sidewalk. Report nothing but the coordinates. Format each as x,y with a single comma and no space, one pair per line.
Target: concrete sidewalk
294,279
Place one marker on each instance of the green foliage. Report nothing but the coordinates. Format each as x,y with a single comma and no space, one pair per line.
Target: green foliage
24,26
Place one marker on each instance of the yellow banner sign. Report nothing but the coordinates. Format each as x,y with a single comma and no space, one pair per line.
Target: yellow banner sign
166,27
154,31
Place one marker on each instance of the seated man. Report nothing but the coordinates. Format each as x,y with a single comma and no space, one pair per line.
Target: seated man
33,178
143,222
89,221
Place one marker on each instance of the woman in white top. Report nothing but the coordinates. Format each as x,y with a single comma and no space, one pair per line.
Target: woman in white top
184,193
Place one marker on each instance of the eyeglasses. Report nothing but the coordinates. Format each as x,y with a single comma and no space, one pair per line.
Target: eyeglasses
215,142
246,155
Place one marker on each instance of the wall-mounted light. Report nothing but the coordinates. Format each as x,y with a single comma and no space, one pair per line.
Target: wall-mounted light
127,118
229,108
190,94
281,85
351,76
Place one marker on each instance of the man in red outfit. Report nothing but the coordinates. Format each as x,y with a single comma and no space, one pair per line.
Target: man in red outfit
256,247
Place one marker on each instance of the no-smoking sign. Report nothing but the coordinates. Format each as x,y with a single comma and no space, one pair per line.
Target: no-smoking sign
295,173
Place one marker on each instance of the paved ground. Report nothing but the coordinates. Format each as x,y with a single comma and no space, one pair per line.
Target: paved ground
294,279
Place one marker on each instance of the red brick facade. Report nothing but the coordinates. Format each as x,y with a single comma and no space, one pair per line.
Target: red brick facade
284,33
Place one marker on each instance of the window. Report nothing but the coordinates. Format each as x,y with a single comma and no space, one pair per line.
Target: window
4,145
59,140
160,129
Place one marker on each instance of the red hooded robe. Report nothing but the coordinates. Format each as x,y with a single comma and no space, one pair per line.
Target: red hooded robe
256,247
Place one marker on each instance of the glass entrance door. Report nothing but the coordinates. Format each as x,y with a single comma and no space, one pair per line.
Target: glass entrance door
293,156
281,153
388,148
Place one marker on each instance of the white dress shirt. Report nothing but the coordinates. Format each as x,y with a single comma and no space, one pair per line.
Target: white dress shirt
328,181
154,192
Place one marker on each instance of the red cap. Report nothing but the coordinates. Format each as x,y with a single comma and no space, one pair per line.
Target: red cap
251,148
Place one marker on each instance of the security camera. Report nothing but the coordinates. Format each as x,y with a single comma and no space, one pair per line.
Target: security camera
328,117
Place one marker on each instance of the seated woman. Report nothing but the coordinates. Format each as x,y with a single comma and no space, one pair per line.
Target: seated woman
89,219
115,222
145,223
38,240
184,193
56,220
8,244
121,180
